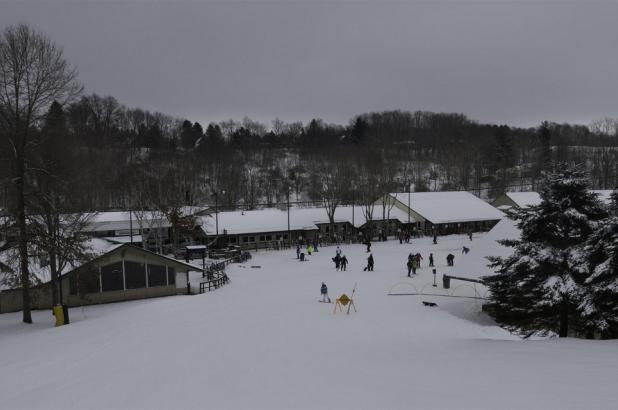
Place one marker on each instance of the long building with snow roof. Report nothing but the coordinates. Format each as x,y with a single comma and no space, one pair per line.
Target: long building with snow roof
445,212
268,227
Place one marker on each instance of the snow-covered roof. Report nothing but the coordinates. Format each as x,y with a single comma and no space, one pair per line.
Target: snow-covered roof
96,246
121,220
449,206
276,220
124,239
524,199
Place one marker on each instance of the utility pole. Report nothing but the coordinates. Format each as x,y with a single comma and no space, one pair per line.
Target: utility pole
289,235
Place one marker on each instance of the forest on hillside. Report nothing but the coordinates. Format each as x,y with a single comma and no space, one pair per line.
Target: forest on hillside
114,157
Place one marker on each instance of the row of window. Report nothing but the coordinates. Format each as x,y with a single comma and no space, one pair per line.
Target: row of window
261,238
136,275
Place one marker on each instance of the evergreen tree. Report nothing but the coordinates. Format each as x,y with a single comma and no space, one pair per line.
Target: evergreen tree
214,136
599,306
358,135
613,202
187,139
538,288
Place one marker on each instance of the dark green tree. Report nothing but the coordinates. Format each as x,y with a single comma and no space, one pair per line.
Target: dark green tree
538,288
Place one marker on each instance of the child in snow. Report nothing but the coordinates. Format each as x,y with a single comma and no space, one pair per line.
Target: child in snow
324,292
338,251
465,250
297,251
309,249
431,260
414,266
409,265
450,259
344,262
369,263
418,258
337,260
368,246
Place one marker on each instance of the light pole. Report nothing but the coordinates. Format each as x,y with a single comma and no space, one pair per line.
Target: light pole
289,235
408,185
216,193
217,214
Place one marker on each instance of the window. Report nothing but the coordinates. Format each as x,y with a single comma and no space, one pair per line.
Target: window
252,239
269,237
245,239
232,240
84,281
135,275
156,276
111,276
171,275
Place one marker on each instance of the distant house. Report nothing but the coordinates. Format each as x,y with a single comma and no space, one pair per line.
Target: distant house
123,272
531,198
446,212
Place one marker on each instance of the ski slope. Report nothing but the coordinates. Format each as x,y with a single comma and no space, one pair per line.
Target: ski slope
264,341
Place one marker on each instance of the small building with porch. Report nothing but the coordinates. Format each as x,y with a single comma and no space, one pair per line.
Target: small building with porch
121,273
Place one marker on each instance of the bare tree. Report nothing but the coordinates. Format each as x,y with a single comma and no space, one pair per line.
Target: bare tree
33,74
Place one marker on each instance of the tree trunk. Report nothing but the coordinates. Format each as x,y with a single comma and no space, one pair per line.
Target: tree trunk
23,239
564,321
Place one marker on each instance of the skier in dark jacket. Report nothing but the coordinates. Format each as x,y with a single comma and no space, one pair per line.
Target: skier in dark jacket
370,263
409,264
450,259
344,263
337,260
324,292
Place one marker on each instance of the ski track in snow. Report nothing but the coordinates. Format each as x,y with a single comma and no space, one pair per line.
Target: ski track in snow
264,342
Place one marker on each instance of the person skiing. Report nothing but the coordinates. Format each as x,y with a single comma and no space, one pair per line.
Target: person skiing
431,260
337,260
324,292
414,266
409,265
344,263
418,258
465,250
370,263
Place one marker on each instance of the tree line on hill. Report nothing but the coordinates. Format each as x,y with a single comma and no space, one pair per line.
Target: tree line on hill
65,152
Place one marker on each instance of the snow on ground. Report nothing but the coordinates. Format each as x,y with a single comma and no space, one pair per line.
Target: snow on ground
264,341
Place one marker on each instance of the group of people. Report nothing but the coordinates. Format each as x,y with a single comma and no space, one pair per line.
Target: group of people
414,262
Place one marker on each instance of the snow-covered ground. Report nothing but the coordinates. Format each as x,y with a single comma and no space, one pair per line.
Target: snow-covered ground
264,341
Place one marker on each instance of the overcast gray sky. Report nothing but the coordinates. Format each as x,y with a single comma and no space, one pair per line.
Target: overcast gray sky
517,62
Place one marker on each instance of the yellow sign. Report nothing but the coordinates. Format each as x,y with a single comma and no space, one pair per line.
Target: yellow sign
344,299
